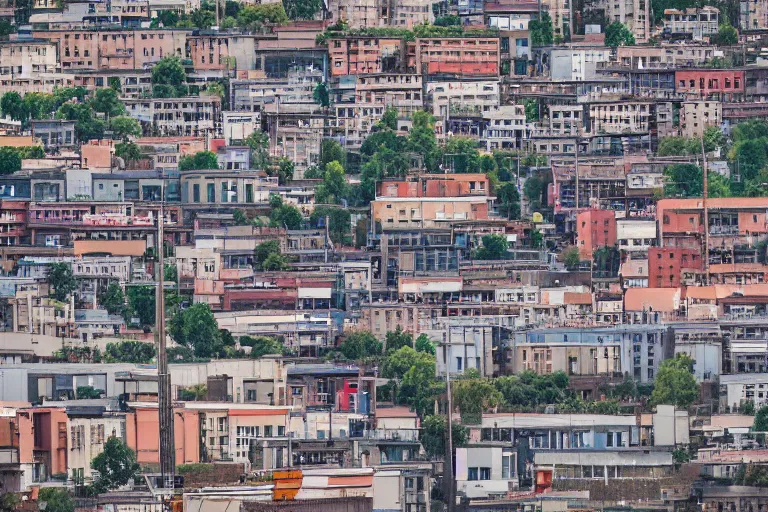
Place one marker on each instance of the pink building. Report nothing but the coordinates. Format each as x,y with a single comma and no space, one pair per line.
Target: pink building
141,435
595,229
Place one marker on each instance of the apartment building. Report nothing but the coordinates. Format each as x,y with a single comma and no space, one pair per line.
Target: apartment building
701,23
188,116
724,85
458,56
697,116
635,14
290,94
595,229
28,59
628,117
475,97
208,53
379,13
401,91
366,55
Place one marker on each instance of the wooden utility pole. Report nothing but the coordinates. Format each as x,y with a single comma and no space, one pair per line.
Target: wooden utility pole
165,402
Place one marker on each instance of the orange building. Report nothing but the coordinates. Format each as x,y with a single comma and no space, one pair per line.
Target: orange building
665,265
595,229
42,440
365,55
729,84
458,56
208,53
141,435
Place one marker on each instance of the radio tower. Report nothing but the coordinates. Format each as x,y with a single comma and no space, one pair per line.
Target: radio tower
165,404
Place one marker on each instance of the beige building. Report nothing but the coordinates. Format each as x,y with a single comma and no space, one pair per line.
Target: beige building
381,13
620,117
701,23
566,119
573,359
30,66
87,436
401,91
696,116
189,116
475,97
218,187
664,56
635,14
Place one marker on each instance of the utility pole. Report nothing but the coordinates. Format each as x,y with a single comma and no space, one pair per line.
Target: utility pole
706,214
577,174
448,470
165,404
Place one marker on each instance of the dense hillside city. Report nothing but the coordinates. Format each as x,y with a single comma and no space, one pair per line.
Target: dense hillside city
383,256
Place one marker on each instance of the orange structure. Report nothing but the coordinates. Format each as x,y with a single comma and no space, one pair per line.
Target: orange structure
595,229
141,428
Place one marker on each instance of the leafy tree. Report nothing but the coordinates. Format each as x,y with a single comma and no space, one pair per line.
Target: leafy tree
571,258
252,16
678,146
275,262
124,127
683,180
473,396
462,152
258,141
283,170
262,345
12,105
748,408
415,373
195,327
529,390
165,19
57,499
726,35
334,187
302,9
540,30
331,151
749,156
10,160
761,420
107,102
397,339
215,89
40,105
433,435
389,118
202,18
509,200
63,281
381,139
264,250
128,151
141,303
232,8
450,20
9,501
136,352
422,139
339,222
201,160
169,71
116,465
424,344
718,185
674,383
114,83
170,273
617,34
284,215
87,393
113,299
239,218
384,163
87,127
531,109
494,248
360,346
713,138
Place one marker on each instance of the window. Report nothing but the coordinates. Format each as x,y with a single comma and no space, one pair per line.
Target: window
195,193
485,473
268,431
506,466
458,364
472,474
211,193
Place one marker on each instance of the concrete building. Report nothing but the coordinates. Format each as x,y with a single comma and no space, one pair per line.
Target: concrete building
595,229
701,23
189,116
697,116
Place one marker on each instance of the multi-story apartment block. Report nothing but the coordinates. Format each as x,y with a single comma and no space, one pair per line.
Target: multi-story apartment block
464,56
379,13
700,23
630,117
635,14
727,85
189,116
365,55
291,94
401,91
506,128
697,116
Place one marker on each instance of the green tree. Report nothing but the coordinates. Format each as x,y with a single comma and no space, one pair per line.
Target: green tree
87,127
397,339
40,105
331,151
262,345
196,328
10,160
726,35
761,420
88,393
617,34
9,501
334,187
136,352
450,20
274,262
166,19
12,105
415,375
114,83
302,9
675,384
474,396
423,141
62,280
509,200
463,154
339,222
678,146
284,215
424,344
540,30
433,435
202,160
107,102
494,248
113,299
571,258
202,18
389,118
141,304
360,346
169,71
284,171
718,185
263,251
56,499
321,95
258,141
124,127
531,109
683,180
128,151
116,465
713,138
170,273
253,16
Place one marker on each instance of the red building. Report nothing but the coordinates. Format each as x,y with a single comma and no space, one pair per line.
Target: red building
595,229
436,185
458,56
666,264
13,218
724,84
